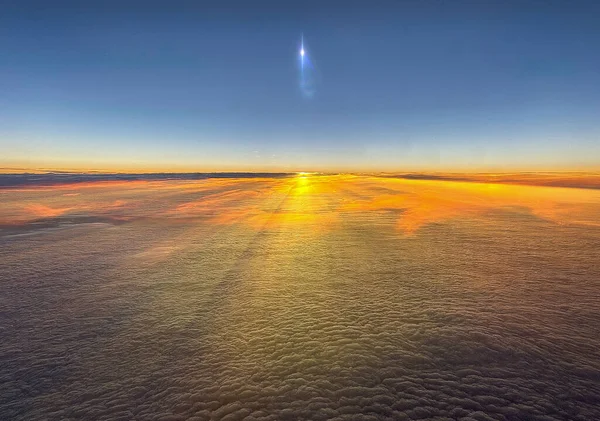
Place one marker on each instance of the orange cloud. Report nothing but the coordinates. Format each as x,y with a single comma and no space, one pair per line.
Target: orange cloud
419,203
43,211
319,202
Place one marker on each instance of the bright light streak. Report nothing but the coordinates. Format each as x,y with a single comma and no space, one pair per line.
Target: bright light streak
306,71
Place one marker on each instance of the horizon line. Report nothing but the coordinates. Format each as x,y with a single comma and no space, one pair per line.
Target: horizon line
561,179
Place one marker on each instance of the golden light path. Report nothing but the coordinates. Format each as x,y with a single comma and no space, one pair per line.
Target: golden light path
319,201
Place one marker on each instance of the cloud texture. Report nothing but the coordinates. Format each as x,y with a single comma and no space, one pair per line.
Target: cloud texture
344,298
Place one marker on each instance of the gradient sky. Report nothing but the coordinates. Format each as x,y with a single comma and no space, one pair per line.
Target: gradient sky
199,86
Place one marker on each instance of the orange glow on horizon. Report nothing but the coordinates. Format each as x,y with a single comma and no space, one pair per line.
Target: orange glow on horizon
317,201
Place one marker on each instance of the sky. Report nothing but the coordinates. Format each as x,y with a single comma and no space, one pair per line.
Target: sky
221,86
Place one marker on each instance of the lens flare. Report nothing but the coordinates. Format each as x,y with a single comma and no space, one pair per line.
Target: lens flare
306,72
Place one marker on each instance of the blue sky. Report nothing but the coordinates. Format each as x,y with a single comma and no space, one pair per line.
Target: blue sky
215,85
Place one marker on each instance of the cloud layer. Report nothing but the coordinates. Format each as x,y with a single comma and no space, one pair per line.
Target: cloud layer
345,298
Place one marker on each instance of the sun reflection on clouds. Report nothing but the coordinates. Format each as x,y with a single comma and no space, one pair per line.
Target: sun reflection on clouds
317,202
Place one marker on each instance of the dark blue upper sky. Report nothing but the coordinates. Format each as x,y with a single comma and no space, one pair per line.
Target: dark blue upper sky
216,85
